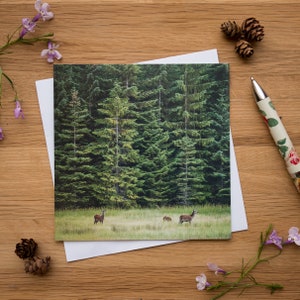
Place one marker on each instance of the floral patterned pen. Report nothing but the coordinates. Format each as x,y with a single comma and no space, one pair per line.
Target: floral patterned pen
278,132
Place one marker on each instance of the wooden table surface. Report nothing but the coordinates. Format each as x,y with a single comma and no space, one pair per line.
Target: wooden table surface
129,31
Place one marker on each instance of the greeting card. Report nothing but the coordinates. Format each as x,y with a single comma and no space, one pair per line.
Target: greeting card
142,152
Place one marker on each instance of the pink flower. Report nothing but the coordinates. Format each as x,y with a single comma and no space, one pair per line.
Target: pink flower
1,134
28,26
294,158
42,9
51,53
18,110
294,236
202,283
216,269
274,239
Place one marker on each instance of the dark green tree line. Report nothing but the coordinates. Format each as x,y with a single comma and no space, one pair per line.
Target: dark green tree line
141,135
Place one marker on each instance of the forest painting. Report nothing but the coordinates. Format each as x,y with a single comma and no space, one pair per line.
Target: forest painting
142,152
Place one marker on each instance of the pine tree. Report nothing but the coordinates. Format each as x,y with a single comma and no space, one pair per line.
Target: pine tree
187,121
152,138
217,173
115,135
72,160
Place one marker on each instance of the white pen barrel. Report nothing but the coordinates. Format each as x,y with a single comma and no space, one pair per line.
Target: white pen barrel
281,138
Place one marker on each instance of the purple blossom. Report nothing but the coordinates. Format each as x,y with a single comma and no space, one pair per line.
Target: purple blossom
18,110
1,134
294,236
274,239
216,269
28,26
42,9
51,53
202,283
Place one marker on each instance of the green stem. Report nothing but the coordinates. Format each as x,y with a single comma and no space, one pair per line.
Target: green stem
41,38
236,285
19,40
11,84
247,269
223,293
9,42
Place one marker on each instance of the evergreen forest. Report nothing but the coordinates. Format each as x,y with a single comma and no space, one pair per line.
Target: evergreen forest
141,136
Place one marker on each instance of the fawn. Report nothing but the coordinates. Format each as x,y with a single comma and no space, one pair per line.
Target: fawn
166,218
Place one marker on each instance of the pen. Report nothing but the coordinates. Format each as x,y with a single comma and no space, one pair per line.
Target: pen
278,132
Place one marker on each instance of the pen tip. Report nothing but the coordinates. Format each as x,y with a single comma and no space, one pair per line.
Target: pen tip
251,78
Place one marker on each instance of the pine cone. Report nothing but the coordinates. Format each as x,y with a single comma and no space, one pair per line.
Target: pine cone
37,265
252,30
231,29
244,48
26,249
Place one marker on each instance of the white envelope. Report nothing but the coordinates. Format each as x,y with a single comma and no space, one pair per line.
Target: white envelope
87,249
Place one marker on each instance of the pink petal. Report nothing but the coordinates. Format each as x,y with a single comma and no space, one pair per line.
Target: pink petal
38,5
44,52
293,231
212,266
57,55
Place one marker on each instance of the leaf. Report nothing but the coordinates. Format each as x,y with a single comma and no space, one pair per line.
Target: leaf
272,122
262,112
281,142
243,265
283,150
271,105
9,80
27,42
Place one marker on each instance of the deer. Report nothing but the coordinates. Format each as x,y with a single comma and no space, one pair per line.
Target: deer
187,218
99,218
166,218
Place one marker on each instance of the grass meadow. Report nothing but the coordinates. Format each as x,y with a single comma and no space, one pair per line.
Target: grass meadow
211,222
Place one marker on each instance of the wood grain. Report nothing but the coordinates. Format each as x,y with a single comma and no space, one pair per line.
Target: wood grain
126,32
